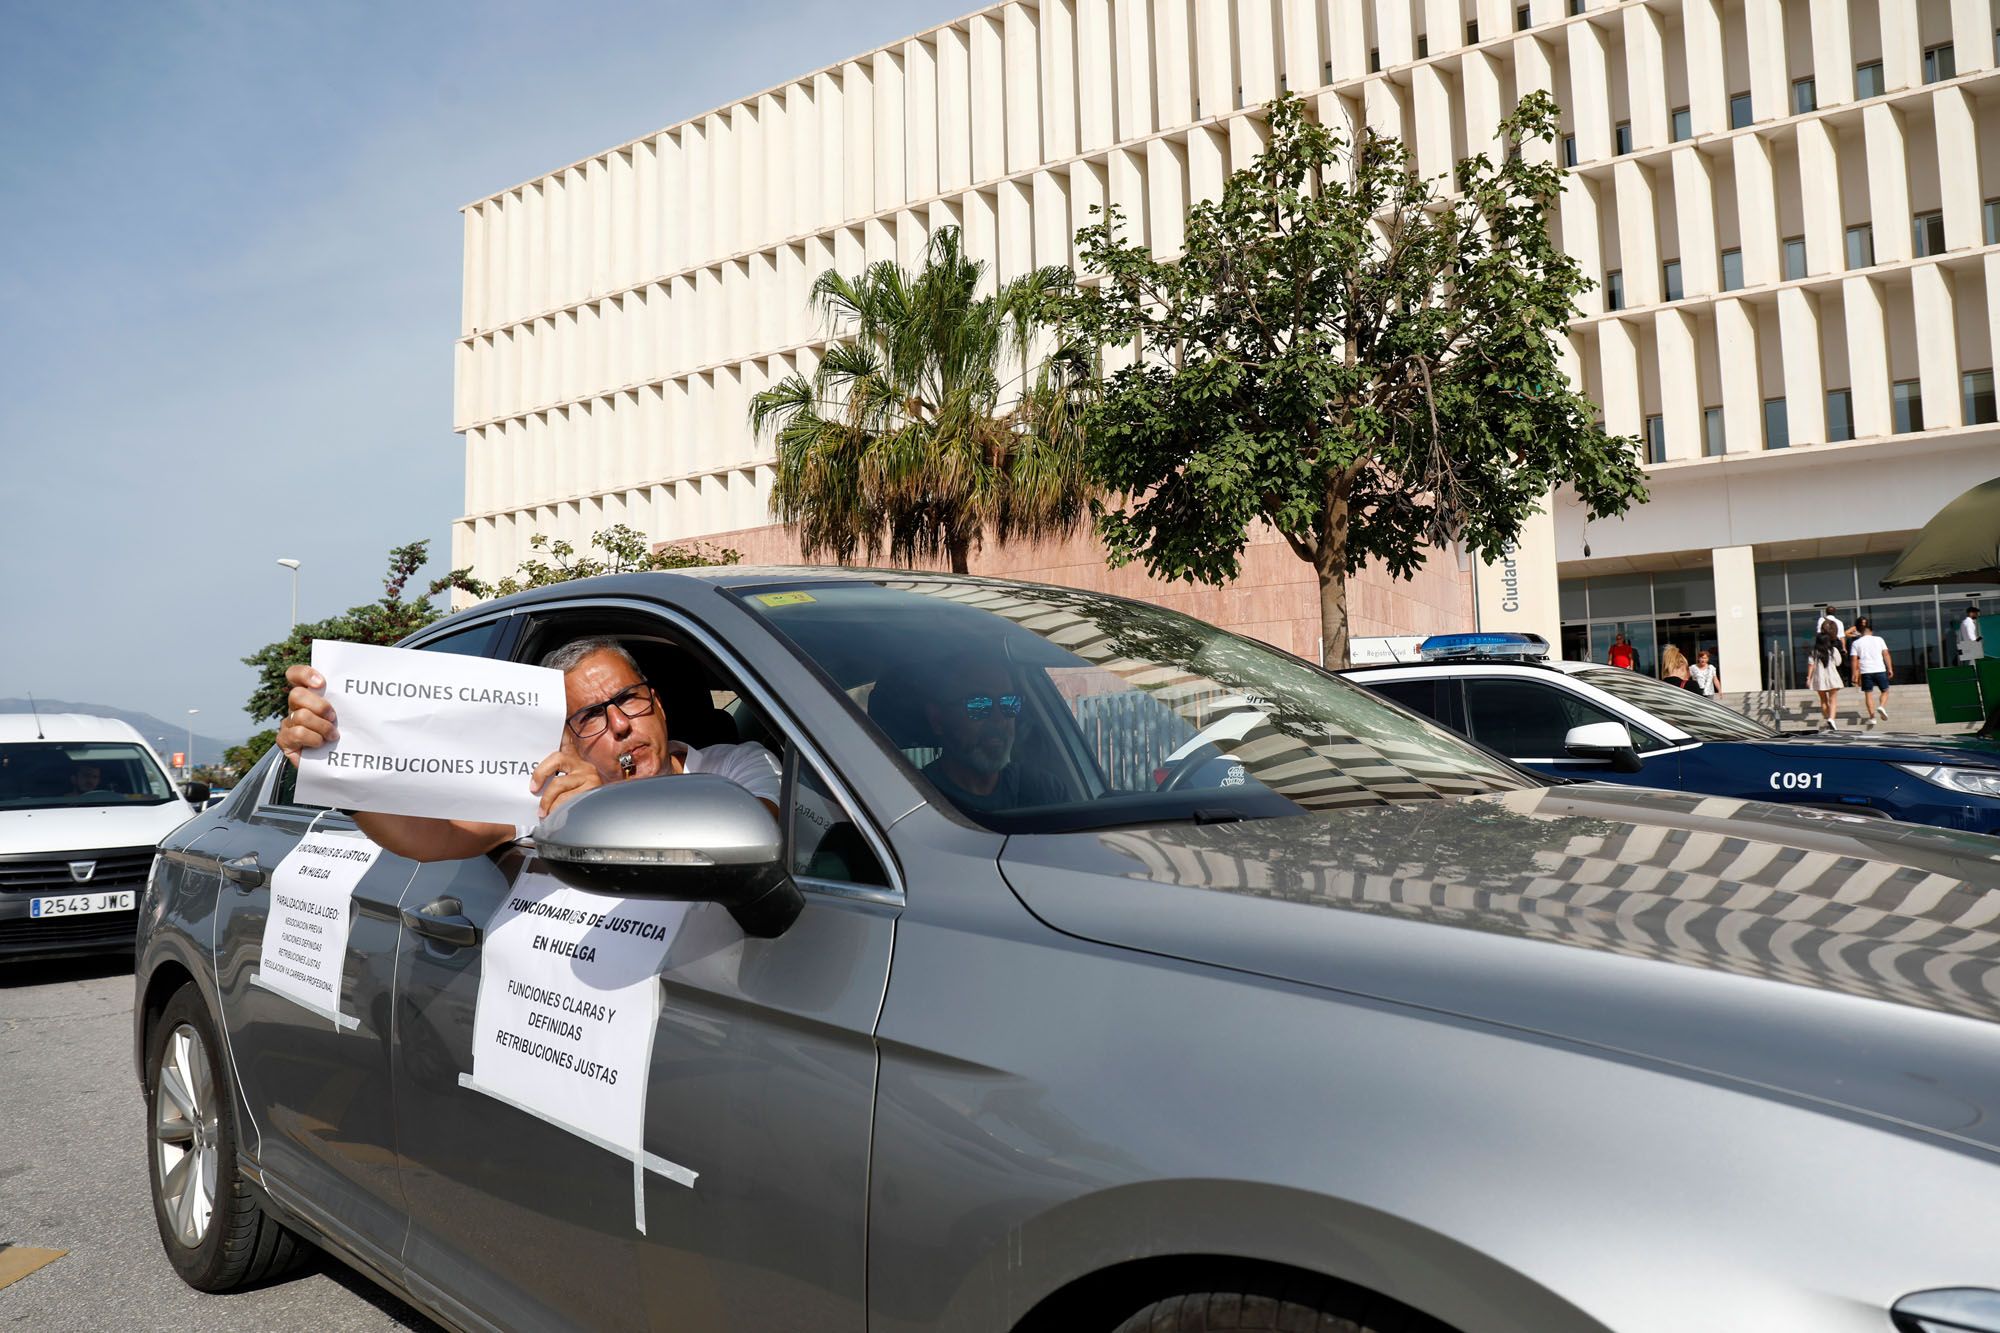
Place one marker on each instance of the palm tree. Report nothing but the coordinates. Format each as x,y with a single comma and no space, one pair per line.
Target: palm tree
932,424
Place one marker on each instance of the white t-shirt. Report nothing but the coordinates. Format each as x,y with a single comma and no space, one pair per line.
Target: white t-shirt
748,765
1871,653
1838,628
1703,677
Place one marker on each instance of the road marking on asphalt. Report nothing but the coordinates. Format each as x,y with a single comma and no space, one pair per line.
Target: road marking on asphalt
17,1261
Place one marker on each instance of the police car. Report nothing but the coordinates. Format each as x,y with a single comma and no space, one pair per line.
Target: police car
1594,723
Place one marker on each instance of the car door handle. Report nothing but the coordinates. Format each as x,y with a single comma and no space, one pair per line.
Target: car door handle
245,873
443,920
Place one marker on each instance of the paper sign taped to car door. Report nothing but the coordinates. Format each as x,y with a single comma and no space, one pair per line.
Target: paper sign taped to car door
305,936
438,734
569,995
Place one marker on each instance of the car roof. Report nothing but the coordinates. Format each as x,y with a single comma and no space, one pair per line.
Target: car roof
1562,665
55,727
669,583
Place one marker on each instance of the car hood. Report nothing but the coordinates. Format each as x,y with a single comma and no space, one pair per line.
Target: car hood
1853,963
76,829
1889,747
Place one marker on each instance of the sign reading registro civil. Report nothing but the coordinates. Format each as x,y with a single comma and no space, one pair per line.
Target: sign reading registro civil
568,999
437,734
304,955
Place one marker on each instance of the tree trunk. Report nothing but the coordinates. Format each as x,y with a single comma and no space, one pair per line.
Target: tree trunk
1330,564
961,556
1333,615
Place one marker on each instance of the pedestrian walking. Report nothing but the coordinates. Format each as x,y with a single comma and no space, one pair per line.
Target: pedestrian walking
1832,613
1970,646
1823,671
1703,678
1674,666
1873,670
1621,652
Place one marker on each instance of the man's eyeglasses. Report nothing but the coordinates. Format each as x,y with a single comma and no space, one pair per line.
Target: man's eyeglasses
979,707
589,723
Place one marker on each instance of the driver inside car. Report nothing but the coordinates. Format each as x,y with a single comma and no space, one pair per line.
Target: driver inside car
615,731
974,709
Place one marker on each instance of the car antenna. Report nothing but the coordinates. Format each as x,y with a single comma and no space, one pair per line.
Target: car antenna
38,718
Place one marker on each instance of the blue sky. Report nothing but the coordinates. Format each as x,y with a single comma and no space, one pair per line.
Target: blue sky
231,283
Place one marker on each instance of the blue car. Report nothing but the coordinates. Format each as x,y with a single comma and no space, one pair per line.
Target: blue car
1597,723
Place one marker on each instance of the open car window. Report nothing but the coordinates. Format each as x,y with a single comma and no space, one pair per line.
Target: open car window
1042,709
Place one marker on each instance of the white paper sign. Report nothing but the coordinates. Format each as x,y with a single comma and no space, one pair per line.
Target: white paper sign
305,935
438,734
568,998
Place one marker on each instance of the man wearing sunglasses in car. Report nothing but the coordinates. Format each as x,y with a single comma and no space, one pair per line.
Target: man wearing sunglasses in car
975,711
615,731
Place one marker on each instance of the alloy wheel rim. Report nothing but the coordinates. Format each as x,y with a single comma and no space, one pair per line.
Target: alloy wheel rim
185,1139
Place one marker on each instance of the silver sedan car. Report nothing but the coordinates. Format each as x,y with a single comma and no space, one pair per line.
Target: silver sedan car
1104,971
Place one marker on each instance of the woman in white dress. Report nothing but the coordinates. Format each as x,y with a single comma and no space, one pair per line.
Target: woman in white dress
1823,670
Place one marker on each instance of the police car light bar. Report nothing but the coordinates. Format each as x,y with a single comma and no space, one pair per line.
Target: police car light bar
1494,643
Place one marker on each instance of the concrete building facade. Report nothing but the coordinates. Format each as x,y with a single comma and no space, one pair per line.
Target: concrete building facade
1791,206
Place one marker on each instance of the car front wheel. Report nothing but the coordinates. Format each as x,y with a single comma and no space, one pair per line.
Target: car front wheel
216,1234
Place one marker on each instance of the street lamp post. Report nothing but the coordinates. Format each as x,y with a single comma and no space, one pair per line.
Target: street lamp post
189,756
293,565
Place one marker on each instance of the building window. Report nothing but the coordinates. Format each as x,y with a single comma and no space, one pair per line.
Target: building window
1670,280
1906,407
1740,112
1839,415
1614,290
1795,257
1940,63
1521,19
1861,246
1681,123
1732,270
1777,433
1374,60
1805,96
1656,436
1927,234
1868,80
1977,388
1575,7
1712,442
1992,221
1621,137
1569,151
1423,45
1472,32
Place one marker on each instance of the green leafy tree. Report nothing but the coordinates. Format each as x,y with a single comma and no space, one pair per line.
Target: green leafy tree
934,423
381,622
239,759
1348,353
624,549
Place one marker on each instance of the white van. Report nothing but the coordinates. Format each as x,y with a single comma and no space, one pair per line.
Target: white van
83,802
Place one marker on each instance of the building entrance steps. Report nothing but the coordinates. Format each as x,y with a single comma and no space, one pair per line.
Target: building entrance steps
1798,710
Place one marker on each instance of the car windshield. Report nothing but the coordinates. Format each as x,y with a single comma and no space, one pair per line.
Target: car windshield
37,775
1699,717
1045,709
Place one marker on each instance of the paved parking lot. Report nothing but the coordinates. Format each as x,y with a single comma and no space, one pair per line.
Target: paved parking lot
73,1178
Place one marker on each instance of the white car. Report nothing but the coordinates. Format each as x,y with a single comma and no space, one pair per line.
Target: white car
83,802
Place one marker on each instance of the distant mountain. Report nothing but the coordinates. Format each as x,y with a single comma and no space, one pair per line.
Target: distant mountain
206,749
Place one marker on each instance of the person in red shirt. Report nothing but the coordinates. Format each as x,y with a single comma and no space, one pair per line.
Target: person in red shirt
1621,653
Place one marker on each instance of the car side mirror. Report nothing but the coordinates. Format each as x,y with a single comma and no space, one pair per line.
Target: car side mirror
1604,740
693,837
196,794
